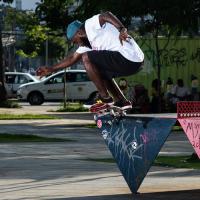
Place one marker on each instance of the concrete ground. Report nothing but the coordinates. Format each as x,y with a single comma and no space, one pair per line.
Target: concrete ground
61,171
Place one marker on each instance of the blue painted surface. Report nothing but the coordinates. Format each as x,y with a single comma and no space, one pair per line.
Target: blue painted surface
134,143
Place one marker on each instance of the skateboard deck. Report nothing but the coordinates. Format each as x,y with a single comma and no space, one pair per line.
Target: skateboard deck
112,110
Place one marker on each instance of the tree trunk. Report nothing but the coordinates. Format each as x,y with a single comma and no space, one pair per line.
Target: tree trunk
3,95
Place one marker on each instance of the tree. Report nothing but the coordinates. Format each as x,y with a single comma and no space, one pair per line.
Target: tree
2,88
55,13
172,17
121,8
34,35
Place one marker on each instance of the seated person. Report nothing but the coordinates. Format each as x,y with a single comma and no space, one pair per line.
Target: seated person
179,92
157,101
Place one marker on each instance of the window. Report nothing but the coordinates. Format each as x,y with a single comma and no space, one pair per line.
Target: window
70,77
81,77
21,79
77,77
56,79
10,79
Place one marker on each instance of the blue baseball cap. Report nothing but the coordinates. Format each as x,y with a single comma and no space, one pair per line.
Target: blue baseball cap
72,28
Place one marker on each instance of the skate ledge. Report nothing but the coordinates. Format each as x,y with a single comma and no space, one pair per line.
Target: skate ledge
157,115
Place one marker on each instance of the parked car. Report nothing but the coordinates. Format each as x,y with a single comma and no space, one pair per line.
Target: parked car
14,79
78,87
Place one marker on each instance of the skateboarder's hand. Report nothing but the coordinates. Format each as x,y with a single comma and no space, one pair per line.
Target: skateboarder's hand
123,36
43,71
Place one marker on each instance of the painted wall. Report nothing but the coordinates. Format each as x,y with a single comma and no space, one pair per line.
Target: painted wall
180,59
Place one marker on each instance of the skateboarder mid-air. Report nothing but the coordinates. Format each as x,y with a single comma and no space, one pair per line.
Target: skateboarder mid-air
107,52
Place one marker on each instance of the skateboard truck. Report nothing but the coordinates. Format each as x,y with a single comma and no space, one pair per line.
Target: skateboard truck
116,112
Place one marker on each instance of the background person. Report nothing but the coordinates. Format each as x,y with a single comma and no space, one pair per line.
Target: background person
156,100
194,88
179,93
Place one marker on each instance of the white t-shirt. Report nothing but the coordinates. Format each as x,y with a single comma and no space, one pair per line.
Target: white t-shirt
107,38
180,91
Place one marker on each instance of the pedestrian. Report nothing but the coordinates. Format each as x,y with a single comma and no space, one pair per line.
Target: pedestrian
157,101
169,86
194,88
179,92
107,52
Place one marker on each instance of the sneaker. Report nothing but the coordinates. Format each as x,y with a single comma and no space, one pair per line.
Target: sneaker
98,107
124,105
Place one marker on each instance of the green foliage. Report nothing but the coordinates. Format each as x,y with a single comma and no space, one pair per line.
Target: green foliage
178,15
55,13
32,35
57,45
19,18
73,107
177,161
173,15
9,104
35,37
21,53
5,116
121,8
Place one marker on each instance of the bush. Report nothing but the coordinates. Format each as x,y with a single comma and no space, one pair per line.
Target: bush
73,107
9,104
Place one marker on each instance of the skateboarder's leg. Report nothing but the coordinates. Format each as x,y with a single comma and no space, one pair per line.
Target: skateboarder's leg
114,90
95,76
120,99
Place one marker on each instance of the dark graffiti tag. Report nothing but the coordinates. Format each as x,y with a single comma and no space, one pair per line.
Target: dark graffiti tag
196,55
178,57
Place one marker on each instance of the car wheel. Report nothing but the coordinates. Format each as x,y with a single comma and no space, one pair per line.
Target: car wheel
35,98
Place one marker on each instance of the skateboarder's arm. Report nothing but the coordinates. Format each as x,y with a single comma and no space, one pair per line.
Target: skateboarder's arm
68,61
112,19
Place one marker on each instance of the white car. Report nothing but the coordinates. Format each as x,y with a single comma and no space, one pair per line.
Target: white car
78,87
14,79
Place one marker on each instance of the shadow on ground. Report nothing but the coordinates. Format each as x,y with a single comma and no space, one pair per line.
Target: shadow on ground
178,195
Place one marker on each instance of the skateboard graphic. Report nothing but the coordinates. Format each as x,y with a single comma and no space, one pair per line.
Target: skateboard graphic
104,109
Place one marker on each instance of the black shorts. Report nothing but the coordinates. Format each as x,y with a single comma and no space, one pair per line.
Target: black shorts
112,64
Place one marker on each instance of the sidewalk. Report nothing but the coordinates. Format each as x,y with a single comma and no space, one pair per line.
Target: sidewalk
68,118
61,171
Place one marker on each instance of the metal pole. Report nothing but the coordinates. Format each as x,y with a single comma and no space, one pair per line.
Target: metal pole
65,90
46,51
3,95
1,50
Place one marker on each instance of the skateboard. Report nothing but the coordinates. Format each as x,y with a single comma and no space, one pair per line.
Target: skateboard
107,109
117,111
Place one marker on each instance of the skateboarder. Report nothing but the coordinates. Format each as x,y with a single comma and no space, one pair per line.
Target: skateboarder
107,51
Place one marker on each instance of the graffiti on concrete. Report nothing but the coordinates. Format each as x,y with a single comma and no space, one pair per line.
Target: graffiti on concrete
179,55
134,144
191,127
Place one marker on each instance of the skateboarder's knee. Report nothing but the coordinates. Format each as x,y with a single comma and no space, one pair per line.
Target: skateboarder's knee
85,59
